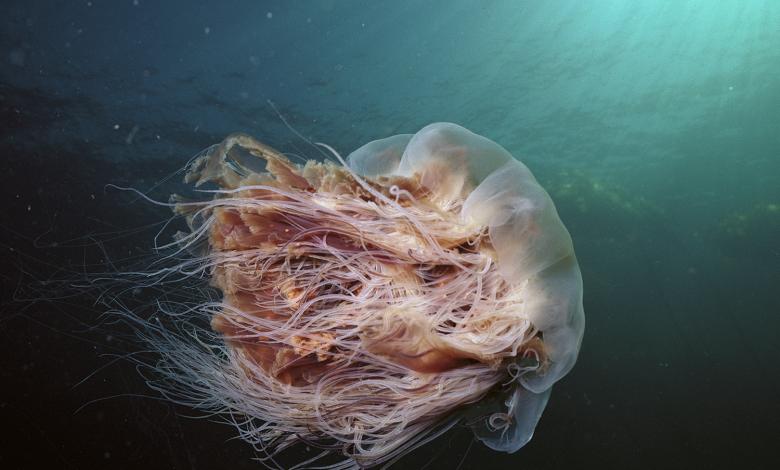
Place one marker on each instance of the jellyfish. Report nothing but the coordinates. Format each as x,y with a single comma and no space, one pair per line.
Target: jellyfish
369,303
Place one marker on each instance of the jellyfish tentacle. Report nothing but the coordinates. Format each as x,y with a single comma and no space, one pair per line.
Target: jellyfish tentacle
367,306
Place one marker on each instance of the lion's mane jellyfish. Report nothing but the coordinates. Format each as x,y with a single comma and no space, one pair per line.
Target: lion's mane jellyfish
370,305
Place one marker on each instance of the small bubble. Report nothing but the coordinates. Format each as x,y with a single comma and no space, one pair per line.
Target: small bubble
207,30
116,127
269,15
135,3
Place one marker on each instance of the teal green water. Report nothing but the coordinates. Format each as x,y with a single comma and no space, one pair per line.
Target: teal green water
654,125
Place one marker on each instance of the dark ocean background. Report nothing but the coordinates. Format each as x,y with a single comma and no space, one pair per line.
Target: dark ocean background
654,125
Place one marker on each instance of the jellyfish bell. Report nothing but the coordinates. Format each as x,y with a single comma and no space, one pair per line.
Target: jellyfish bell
372,305
379,157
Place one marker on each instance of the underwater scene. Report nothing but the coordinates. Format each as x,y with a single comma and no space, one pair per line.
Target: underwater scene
390,234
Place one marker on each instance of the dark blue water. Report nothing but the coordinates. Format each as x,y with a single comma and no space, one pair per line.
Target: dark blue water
654,125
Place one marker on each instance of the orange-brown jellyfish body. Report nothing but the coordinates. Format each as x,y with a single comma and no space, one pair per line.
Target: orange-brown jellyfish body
373,305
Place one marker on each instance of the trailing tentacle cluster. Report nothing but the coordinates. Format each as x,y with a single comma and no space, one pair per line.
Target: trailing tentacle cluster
361,309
